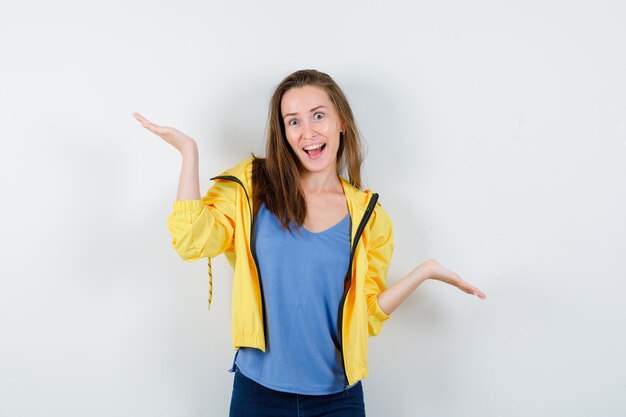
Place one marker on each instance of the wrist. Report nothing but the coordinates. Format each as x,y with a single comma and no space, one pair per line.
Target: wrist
422,272
190,148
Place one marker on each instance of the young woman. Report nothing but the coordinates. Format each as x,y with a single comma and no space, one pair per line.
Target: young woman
310,252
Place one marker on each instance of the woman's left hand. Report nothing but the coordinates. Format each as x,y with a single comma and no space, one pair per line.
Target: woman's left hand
440,273
393,296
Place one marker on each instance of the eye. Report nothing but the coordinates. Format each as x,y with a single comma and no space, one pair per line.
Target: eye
293,122
318,114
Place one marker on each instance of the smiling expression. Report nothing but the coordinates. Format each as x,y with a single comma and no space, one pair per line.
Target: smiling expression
312,127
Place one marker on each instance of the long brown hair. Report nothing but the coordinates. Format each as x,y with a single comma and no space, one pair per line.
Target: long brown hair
276,177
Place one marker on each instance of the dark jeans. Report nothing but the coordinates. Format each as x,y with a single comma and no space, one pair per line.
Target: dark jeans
251,399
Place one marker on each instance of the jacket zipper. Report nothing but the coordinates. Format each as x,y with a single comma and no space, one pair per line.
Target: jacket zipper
252,243
348,279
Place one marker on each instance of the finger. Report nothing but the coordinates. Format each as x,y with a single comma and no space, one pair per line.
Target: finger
139,117
478,293
145,122
470,289
154,128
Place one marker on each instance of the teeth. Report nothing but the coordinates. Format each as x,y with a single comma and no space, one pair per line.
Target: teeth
310,148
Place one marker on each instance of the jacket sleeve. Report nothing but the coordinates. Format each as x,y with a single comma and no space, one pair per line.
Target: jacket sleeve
379,252
205,227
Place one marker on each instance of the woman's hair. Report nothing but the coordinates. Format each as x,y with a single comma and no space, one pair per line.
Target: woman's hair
276,177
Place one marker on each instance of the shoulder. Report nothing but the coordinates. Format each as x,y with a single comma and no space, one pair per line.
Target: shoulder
362,198
379,222
357,197
242,172
381,219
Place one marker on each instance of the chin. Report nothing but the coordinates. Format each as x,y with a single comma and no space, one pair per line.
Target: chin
307,166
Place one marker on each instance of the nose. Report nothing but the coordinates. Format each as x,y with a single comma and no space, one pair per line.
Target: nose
307,131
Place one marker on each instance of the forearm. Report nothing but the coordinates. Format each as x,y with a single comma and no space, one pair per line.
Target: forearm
393,296
189,182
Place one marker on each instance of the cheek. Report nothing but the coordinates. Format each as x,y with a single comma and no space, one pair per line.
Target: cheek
331,131
292,141
327,129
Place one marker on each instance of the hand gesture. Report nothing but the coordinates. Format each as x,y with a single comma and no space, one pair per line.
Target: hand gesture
169,134
439,273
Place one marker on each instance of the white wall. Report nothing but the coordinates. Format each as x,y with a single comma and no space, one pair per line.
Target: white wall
497,141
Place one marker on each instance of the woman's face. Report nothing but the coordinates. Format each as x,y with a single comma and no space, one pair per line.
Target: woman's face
312,126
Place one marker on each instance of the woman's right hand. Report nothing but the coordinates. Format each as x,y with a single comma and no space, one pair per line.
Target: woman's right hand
171,135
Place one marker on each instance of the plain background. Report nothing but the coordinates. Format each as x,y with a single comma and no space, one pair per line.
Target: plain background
496,139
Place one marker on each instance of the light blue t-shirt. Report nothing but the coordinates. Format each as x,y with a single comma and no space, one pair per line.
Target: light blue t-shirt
302,277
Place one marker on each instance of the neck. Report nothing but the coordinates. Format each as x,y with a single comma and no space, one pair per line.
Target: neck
319,182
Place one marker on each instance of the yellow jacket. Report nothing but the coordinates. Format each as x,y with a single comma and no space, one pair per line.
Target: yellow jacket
221,222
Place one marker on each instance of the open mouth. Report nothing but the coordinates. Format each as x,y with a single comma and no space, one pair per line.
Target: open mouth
314,151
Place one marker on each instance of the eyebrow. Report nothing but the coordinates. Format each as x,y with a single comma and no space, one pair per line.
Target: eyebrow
313,109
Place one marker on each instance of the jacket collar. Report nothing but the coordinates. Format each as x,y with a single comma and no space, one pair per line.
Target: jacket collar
357,199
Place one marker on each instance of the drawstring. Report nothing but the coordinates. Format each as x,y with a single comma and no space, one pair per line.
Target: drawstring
210,282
